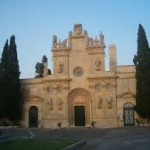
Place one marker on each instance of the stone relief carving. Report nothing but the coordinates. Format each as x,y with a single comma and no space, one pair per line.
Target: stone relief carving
54,41
99,104
109,102
97,86
59,103
60,67
98,64
50,103
79,99
78,71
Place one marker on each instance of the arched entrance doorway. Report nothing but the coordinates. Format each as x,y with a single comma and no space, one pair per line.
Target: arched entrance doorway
79,107
33,116
128,114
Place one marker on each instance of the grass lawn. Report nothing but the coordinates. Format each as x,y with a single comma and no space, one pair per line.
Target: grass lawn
35,144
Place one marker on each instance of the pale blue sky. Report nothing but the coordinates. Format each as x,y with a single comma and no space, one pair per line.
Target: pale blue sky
34,22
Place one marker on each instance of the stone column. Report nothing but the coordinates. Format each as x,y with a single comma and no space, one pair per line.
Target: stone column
112,57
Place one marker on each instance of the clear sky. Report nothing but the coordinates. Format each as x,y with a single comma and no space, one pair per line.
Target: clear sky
34,22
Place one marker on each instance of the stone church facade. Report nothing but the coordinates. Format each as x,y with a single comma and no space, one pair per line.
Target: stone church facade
80,92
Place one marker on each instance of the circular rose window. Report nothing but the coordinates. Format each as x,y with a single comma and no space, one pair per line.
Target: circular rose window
78,71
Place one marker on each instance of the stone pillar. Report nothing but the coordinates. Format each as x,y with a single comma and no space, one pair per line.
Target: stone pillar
112,57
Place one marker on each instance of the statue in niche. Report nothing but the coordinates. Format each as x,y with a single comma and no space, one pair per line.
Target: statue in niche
60,67
64,43
98,64
112,64
78,29
109,102
59,103
99,104
96,41
54,41
50,103
59,44
91,41
101,38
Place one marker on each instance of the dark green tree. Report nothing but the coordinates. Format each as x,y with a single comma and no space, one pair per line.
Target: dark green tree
49,72
142,63
16,100
44,59
9,76
39,68
4,65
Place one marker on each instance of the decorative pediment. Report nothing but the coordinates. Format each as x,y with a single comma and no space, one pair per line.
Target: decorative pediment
34,98
127,94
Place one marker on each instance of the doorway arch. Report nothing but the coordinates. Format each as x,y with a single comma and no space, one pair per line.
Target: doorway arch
128,114
79,111
33,116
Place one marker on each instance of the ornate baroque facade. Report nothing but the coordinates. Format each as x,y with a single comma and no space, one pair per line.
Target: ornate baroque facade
80,91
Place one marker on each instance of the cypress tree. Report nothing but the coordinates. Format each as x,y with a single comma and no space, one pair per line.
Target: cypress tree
9,76
142,63
15,102
4,65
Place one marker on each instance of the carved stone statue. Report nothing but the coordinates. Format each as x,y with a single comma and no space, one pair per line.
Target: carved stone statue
98,64
45,66
91,41
50,103
45,69
109,102
78,29
99,104
54,41
59,103
96,41
101,38
59,44
64,43
60,67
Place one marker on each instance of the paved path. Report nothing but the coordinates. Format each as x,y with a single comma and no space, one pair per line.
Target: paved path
131,138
